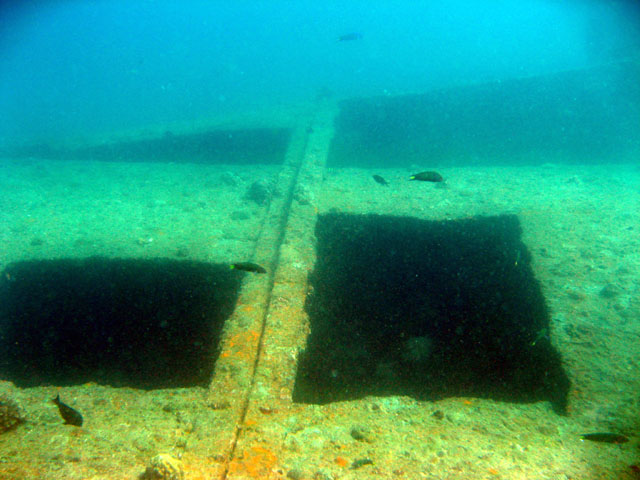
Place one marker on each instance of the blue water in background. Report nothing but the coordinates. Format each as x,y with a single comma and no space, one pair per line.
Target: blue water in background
75,68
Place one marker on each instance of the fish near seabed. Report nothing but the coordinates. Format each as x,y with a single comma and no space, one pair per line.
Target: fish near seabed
70,415
380,180
605,437
248,267
427,177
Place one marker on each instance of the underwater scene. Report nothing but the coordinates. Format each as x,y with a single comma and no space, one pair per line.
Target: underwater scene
320,240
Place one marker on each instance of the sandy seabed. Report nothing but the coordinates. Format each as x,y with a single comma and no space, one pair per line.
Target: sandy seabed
580,223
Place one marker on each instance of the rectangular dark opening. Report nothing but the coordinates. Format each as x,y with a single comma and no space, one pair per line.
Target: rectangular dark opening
248,146
121,322
588,116
430,309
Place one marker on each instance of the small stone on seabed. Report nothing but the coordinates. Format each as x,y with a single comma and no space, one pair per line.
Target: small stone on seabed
164,467
361,433
295,474
10,414
609,291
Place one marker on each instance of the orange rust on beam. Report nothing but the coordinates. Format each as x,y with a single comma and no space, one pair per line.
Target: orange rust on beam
257,292
285,324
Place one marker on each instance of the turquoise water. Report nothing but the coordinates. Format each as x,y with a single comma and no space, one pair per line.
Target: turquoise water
69,70
472,325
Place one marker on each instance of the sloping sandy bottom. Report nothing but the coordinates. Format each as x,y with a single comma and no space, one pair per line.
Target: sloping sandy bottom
53,210
580,224
74,209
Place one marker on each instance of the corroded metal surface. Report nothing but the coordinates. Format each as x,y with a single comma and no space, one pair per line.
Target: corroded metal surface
257,454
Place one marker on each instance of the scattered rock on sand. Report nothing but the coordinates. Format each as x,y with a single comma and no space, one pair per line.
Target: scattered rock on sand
10,413
303,194
610,290
239,215
260,192
164,467
362,433
230,178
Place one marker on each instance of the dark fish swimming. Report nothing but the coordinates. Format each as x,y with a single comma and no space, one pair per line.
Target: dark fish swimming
427,177
348,37
380,180
248,267
70,415
605,437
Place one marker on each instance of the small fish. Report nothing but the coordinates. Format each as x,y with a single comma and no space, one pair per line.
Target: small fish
605,437
70,415
427,177
380,180
248,267
361,463
543,334
348,37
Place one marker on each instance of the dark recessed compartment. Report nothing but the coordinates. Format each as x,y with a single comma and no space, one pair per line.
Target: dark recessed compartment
585,116
121,322
247,146
430,309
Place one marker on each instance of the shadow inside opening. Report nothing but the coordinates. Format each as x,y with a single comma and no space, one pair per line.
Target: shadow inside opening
121,322
430,309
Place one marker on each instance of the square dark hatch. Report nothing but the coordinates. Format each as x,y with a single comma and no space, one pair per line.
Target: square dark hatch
430,309
121,322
